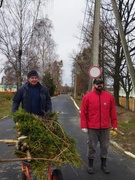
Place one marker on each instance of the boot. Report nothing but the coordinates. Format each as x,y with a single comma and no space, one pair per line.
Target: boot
103,166
90,167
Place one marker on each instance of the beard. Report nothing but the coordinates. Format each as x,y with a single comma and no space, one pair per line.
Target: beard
99,88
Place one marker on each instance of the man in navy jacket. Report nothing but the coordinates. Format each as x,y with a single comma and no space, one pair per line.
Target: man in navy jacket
33,96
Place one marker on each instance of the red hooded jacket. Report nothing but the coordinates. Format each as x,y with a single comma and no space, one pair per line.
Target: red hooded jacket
98,110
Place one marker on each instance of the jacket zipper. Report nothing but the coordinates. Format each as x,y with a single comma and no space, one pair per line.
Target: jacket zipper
100,109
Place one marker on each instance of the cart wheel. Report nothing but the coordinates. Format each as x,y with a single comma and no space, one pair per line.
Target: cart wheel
21,176
57,175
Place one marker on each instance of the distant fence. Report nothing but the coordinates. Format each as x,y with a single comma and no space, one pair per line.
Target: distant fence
7,92
122,101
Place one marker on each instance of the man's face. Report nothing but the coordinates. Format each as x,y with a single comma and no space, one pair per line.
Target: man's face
98,86
33,80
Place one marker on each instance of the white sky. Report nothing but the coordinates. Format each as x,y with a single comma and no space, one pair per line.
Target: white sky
66,15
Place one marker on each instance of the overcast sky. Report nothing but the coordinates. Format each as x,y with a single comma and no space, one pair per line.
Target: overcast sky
66,15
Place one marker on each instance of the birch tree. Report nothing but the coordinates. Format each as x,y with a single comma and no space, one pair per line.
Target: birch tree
17,23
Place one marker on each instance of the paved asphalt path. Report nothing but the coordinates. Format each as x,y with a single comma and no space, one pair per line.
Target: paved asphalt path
121,167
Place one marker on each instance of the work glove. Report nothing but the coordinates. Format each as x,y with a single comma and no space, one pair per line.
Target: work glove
118,131
85,130
114,128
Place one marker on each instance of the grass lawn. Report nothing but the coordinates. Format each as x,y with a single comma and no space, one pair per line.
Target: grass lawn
5,105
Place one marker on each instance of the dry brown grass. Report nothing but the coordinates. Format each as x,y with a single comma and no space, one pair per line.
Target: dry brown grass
126,124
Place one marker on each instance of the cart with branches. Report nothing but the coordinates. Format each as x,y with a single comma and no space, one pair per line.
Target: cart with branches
42,146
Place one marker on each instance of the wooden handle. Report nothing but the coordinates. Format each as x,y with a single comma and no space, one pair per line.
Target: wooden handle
28,155
10,141
119,132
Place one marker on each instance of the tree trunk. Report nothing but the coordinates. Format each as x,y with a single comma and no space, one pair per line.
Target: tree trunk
19,79
116,91
127,100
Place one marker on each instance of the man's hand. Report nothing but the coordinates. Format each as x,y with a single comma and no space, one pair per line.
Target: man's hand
85,130
114,128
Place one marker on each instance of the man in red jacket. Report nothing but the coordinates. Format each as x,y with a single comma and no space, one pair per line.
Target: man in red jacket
98,115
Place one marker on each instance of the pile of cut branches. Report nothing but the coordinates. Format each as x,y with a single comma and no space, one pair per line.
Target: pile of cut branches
47,142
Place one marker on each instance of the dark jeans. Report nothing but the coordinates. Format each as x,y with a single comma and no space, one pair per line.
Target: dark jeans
98,135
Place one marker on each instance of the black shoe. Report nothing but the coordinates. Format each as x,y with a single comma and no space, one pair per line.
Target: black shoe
90,166
104,167
90,170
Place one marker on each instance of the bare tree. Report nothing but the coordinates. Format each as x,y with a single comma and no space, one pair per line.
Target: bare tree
44,43
56,72
114,59
18,20
111,55
80,69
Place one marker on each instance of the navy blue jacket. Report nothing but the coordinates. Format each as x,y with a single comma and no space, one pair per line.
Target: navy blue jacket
22,96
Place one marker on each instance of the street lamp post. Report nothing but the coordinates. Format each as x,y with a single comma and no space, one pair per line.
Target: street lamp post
95,39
